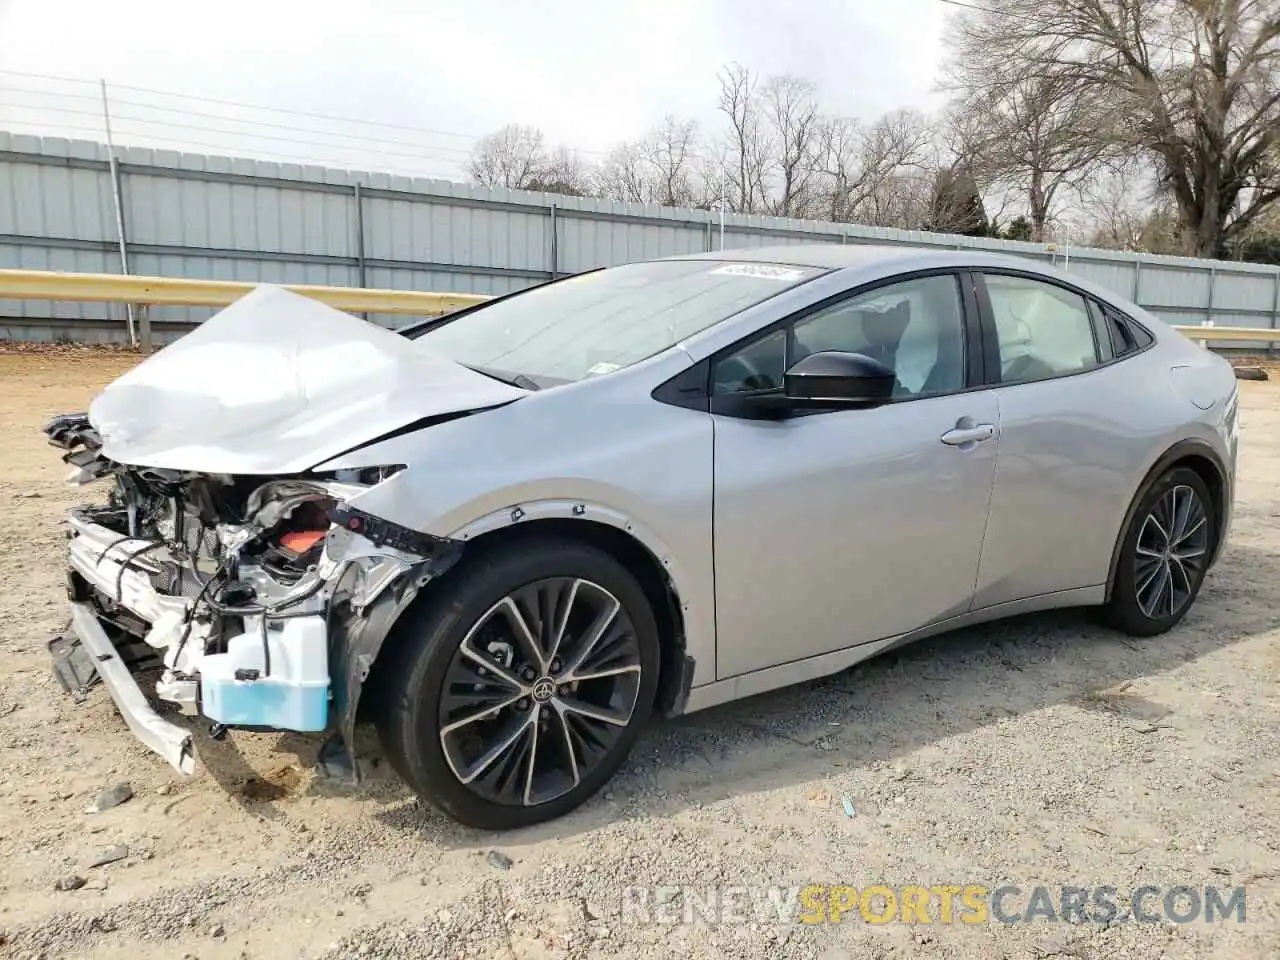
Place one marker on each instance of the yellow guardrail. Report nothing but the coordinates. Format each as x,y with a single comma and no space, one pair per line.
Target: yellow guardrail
1196,332
171,291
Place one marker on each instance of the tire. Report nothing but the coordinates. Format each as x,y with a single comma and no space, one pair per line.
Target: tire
1137,605
448,708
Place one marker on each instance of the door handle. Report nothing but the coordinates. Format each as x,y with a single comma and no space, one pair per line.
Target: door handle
959,436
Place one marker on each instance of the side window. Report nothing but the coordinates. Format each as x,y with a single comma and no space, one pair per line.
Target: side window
1042,330
1126,336
915,327
1122,338
757,366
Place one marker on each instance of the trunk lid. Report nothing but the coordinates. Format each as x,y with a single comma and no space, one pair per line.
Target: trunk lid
276,383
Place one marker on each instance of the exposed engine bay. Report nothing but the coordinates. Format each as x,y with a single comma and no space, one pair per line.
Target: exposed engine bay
258,602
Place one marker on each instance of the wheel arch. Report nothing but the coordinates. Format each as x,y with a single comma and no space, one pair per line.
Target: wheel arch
1205,461
524,524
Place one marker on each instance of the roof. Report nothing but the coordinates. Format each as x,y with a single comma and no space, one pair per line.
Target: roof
832,256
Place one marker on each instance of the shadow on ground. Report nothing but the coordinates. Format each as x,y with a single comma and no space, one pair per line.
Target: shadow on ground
865,717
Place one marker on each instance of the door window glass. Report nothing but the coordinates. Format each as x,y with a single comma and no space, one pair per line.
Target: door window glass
1042,330
915,328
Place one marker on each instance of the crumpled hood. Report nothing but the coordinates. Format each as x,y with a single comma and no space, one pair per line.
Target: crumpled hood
277,383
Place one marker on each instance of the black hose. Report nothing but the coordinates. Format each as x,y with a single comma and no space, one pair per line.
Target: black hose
124,565
266,650
111,546
195,604
277,612
273,612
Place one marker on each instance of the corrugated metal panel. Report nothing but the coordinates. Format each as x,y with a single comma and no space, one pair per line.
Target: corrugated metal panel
1166,286
1243,291
227,218
1113,276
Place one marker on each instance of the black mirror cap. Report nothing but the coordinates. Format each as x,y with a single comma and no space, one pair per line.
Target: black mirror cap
838,377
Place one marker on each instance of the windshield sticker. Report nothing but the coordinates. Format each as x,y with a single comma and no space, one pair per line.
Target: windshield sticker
761,271
602,368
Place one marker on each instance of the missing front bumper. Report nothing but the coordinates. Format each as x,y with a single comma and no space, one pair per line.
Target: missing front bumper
167,739
120,591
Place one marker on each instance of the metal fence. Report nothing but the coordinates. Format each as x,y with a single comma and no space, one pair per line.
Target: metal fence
220,218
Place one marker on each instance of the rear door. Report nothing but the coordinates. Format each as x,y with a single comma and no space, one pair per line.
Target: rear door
840,527
1072,417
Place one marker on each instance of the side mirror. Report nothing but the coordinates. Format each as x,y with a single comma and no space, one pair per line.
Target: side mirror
832,378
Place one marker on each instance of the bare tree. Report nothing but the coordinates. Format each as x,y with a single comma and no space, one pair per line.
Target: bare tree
1193,84
661,168
839,164
670,151
711,182
1116,203
623,176
514,157
565,173
903,199
857,164
791,121
1039,133
748,147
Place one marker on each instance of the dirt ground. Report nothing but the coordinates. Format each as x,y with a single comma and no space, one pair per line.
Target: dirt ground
1042,751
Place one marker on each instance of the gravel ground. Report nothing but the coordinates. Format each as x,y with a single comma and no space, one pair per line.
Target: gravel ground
1041,751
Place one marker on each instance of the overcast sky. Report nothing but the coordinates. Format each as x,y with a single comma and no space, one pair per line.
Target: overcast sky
589,74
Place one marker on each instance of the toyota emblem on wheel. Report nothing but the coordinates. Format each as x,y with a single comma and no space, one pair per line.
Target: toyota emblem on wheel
544,689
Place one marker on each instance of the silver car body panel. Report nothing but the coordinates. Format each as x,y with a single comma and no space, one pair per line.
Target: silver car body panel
806,567
847,538
813,668
599,450
794,548
1073,452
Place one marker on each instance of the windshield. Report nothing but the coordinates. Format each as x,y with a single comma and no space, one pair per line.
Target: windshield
599,322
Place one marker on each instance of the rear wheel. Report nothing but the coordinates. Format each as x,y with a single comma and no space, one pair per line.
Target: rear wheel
1164,556
522,685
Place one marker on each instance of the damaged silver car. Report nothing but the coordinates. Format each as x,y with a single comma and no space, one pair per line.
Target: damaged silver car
510,535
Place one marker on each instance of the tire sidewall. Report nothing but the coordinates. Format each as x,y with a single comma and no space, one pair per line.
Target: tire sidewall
469,592
1124,595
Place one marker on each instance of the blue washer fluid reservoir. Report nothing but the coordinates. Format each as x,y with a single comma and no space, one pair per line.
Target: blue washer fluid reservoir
295,696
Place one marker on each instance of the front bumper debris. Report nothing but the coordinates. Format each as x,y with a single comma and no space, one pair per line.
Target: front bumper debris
167,739
129,613
259,602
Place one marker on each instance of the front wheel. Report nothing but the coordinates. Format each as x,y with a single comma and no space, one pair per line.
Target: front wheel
522,683
1164,556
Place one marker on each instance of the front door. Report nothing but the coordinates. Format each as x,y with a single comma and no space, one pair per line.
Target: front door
837,528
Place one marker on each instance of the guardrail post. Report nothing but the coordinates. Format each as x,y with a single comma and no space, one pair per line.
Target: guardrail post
361,278
1275,312
1208,310
360,267
117,197
555,245
143,313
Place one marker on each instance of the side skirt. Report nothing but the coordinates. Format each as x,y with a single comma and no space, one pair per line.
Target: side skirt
812,668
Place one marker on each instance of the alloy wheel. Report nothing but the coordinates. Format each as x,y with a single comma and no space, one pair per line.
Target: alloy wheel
541,687
1172,549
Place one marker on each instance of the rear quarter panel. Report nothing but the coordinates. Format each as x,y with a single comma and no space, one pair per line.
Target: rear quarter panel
1074,453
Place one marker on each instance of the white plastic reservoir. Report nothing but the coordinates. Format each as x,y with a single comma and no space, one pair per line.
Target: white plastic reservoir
295,696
